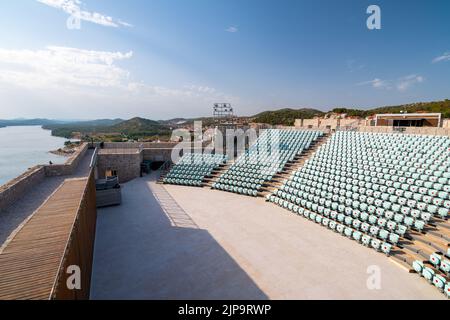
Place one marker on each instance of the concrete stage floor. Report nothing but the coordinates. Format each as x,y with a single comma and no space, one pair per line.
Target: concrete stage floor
172,242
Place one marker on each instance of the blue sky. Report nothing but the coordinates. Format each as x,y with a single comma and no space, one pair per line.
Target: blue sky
174,58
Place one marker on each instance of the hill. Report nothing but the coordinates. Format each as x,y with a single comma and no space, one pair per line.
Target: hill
433,107
111,129
286,116
140,127
66,130
29,122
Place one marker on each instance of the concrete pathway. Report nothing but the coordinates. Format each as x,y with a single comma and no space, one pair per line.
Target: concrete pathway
171,242
149,248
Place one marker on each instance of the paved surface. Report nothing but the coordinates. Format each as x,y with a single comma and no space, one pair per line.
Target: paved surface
170,242
12,217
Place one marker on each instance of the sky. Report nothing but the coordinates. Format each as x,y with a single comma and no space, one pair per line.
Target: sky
162,59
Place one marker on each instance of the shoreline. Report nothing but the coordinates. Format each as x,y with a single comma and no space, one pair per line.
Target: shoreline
61,153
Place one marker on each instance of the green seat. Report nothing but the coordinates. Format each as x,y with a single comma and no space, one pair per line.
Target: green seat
428,273
439,282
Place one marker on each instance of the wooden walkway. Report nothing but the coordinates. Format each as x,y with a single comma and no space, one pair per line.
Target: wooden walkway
31,262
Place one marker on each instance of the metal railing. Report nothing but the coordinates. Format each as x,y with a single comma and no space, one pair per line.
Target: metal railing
94,159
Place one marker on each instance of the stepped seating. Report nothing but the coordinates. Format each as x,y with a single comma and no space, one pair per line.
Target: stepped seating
376,189
193,168
264,159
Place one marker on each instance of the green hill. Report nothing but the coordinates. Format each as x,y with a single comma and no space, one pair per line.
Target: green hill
29,122
133,129
95,126
139,127
433,107
286,116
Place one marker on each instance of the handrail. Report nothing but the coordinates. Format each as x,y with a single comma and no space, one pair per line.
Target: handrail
94,158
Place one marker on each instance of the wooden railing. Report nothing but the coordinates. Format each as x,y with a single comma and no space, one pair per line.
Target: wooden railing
36,262
79,251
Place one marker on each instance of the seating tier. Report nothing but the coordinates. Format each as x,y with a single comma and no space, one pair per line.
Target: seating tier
193,168
374,188
264,159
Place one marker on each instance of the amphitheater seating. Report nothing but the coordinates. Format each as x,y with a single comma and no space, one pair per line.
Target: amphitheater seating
264,159
192,169
374,188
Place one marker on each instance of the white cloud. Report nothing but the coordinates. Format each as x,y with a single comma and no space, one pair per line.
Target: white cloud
377,83
62,67
406,82
182,96
232,29
401,84
73,8
69,81
444,57
125,24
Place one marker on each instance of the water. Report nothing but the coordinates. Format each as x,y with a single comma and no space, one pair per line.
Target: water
25,147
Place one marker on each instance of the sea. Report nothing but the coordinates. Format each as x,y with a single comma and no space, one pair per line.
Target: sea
24,147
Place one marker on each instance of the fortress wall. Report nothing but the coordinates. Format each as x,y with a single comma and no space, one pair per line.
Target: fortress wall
14,190
423,130
69,167
446,123
127,165
163,154
330,123
429,131
136,145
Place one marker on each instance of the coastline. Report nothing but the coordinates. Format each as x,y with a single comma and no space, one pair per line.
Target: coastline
62,153
30,146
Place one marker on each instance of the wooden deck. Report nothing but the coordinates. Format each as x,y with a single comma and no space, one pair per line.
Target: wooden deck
31,262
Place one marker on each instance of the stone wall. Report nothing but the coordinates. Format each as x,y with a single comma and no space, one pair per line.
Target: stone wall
423,130
16,188
127,165
332,124
69,167
137,145
446,123
157,154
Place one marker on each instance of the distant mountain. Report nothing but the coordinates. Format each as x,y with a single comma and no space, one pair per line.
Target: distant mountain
67,129
140,127
433,107
286,116
29,122
133,129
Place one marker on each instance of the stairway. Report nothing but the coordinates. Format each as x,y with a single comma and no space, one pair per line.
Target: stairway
215,175
293,166
165,169
419,246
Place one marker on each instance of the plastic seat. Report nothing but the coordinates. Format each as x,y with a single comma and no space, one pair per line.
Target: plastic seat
366,240
445,265
439,282
386,248
418,266
428,274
